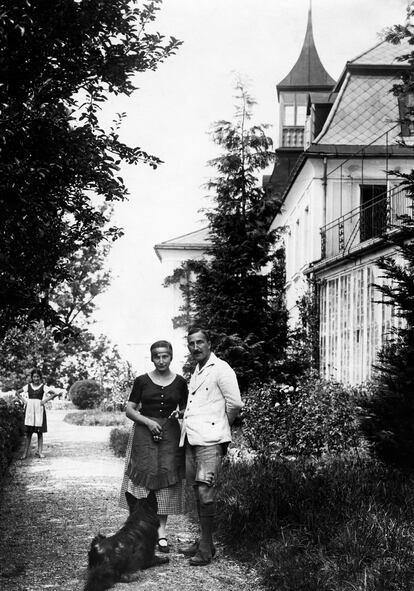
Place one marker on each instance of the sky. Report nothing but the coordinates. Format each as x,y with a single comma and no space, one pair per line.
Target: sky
174,108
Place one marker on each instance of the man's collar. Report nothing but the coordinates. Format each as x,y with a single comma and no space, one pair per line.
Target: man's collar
211,361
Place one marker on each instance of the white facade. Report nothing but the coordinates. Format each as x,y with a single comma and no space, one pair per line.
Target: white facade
172,254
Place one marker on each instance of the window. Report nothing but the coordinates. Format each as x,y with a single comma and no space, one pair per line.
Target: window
373,218
300,115
295,115
289,115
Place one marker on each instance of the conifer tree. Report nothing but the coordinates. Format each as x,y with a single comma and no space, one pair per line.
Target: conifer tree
238,290
388,415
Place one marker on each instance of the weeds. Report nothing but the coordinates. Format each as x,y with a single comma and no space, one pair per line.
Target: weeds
341,524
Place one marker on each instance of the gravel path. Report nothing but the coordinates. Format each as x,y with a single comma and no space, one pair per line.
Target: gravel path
51,508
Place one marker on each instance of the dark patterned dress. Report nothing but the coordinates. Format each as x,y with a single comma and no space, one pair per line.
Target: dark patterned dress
151,465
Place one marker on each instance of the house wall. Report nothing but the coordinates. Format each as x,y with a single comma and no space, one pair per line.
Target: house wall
171,259
301,218
354,319
354,322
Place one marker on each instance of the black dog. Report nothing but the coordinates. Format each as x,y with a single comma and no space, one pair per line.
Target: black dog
132,548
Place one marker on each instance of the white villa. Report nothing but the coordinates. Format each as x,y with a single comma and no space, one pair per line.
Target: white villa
338,145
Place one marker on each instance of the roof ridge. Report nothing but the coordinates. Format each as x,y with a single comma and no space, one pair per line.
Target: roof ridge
183,235
366,51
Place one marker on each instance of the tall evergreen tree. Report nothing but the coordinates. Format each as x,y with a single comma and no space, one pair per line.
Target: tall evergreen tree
388,416
238,289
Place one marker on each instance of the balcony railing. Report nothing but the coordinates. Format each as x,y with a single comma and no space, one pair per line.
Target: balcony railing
292,137
370,220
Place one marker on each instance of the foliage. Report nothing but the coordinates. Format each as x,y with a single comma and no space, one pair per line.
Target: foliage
93,417
80,354
315,418
86,394
302,352
388,421
118,440
388,416
60,61
237,291
338,524
11,430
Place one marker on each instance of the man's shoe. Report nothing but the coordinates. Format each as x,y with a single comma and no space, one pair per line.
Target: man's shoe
192,549
189,549
200,559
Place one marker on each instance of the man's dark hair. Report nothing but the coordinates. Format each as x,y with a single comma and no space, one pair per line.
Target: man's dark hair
196,328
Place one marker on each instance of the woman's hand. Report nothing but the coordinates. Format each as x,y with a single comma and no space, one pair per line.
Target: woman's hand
154,428
176,414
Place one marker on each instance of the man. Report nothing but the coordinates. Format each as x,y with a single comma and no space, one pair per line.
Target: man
213,404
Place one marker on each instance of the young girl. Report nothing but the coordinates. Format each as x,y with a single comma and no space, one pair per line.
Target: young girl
35,415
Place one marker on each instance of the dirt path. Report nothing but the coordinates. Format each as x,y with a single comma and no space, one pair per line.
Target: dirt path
50,509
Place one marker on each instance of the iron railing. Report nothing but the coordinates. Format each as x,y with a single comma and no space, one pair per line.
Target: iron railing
372,219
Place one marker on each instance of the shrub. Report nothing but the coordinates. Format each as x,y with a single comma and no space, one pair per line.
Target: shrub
86,394
114,401
11,430
118,440
317,417
388,413
313,526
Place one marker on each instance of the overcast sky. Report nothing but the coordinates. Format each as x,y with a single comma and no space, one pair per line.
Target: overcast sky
175,107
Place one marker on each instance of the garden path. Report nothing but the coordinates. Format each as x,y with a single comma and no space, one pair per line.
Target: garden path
51,508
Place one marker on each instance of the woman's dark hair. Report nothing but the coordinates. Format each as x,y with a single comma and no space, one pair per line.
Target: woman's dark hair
196,328
34,371
163,344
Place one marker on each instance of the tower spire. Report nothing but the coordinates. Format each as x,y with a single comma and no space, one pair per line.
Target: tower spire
308,71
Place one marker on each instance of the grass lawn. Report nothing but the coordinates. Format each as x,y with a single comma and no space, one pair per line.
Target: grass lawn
95,417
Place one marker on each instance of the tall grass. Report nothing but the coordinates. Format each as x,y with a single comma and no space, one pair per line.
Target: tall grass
342,524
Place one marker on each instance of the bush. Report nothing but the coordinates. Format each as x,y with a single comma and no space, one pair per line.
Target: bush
315,418
336,524
388,413
114,400
118,440
11,430
86,394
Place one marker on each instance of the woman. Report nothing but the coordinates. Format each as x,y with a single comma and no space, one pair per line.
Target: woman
153,459
35,420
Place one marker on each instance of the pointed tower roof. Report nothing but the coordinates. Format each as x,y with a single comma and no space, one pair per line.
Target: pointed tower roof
308,73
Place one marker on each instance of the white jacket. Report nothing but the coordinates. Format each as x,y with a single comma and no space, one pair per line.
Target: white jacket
213,404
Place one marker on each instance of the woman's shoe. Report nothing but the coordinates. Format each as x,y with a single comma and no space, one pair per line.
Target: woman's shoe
164,547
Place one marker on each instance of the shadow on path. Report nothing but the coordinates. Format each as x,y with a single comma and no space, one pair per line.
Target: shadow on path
51,508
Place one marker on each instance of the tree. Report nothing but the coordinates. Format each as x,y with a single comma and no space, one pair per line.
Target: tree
59,62
237,292
75,353
388,415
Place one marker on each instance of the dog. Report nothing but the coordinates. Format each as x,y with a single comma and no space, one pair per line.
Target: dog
131,549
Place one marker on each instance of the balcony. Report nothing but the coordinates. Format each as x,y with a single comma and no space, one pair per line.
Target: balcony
292,137
369,221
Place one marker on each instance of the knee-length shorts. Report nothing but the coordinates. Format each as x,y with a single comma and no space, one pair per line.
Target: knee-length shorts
203,465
